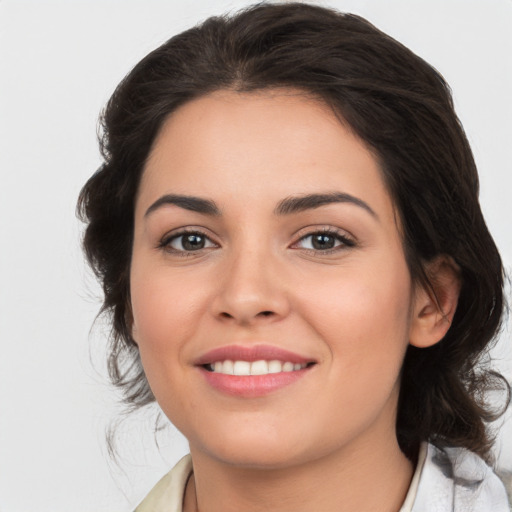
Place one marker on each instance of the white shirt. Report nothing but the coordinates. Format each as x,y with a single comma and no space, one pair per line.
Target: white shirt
445,480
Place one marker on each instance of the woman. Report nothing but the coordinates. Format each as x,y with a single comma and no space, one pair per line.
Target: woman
287,230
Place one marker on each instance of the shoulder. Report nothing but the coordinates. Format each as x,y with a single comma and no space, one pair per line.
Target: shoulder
506,478
457,480
167,494
451,480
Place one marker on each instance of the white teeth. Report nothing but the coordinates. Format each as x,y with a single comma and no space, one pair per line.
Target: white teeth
275,367
242,368
260,367
288,367
227,367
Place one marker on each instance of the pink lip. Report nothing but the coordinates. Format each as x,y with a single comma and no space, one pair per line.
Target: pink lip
250,386
250,353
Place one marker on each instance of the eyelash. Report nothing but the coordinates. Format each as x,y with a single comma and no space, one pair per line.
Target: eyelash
339,236
164,244
346,242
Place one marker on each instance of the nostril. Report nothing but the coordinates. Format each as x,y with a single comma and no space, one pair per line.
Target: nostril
245,317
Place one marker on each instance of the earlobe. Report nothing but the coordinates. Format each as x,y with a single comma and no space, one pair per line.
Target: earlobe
133,336
130,323
434,306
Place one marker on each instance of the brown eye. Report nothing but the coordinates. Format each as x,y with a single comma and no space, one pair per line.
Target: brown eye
324,241
188,242
193,242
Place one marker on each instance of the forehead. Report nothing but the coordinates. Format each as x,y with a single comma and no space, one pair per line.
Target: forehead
257,147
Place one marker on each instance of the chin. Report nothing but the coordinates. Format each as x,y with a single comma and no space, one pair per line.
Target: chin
252,450
264,458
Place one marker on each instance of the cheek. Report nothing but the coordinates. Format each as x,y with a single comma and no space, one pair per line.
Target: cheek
364,318
165,315
365,325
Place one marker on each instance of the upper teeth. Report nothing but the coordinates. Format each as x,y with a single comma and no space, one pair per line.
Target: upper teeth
261,367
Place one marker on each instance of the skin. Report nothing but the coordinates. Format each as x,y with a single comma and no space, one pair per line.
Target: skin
327,441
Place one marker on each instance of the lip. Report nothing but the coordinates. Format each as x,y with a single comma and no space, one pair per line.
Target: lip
250,354
251,386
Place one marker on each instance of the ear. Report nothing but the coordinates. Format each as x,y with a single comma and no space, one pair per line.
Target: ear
434,307
130,322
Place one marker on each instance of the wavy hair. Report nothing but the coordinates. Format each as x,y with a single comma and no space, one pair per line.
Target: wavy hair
401,107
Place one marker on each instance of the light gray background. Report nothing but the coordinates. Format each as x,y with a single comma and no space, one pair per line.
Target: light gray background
59,62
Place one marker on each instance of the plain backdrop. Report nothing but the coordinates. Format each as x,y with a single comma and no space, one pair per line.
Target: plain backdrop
59,62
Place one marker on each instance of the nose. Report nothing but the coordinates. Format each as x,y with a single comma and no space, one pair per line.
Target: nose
251,290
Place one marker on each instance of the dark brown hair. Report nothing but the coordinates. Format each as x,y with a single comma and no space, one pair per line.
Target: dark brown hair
400,107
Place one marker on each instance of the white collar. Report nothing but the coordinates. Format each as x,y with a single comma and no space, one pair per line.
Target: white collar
445,480
413,488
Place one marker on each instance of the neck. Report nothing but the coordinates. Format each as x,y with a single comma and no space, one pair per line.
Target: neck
363,476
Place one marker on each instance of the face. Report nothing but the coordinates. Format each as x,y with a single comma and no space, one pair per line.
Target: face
271,298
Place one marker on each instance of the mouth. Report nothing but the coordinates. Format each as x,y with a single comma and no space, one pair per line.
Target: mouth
252,371
260,367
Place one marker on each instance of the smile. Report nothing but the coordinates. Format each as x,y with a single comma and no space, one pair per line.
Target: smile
255,370
261,367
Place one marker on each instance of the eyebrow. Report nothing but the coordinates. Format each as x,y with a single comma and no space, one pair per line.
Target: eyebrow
287,206
307,202
194,204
